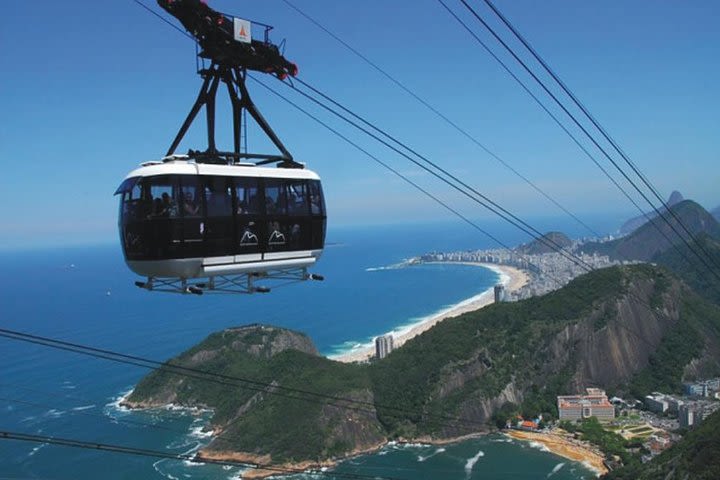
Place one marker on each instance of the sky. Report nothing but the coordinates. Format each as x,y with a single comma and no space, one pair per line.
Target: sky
91,89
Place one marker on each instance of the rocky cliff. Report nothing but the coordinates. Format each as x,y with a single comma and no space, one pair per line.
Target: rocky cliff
629,329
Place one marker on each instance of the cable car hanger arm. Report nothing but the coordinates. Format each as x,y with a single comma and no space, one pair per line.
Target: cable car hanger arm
227,42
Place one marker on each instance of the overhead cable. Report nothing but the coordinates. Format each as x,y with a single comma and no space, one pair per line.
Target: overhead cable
444,117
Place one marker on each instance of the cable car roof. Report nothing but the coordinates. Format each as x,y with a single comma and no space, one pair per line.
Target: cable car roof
185,167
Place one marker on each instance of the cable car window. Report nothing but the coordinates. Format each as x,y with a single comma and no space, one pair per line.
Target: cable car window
297,198
190,197
127,185
247,197
133,207
162,197
275,197
218,196
317,202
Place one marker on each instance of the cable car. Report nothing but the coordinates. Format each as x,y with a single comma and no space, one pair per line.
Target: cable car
184,220
219,221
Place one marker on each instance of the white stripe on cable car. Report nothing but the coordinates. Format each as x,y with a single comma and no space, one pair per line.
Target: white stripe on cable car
281,255
257,266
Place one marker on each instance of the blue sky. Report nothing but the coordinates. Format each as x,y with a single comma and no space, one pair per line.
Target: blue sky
91,89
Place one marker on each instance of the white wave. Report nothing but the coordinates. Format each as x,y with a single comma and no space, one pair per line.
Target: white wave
114,404
394,266
28,419
156,467
539,446
54,413
200,432
351,347
501,440
555,469
471,463
591,468
404,445
36,449
84,407
436,452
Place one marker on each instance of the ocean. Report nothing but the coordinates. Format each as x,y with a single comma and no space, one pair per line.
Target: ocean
86,295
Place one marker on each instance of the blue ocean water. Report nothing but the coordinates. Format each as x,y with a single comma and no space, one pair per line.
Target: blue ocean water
86,295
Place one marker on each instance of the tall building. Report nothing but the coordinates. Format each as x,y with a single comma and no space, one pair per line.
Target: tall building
500,294
594,404
686,416
383,346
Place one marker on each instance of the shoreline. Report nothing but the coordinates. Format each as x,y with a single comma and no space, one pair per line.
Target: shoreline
512,278
563,446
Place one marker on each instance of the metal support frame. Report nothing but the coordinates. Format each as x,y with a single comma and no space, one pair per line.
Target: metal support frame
234,79
241,283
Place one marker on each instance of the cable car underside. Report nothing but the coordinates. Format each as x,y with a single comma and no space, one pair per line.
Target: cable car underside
223,221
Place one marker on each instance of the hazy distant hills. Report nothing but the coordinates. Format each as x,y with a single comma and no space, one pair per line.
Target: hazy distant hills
716,213
548,243
629,329
649,239
636,222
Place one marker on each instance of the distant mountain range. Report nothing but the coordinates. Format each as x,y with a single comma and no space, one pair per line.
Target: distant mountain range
716,213
636,222
650,239
484,366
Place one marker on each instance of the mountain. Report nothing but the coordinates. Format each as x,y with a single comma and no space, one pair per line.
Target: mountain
649,240
716,213
628,329
696,456
538,247
703,282
636,222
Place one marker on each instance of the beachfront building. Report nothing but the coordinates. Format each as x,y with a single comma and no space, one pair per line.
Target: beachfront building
500,293
594,404
383,346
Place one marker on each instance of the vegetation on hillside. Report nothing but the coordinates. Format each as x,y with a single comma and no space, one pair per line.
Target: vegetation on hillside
483,367
692,271
652,238
696,456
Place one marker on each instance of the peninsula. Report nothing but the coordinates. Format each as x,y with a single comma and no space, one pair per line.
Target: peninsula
307,411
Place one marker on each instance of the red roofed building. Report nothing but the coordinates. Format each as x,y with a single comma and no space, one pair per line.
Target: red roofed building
528,425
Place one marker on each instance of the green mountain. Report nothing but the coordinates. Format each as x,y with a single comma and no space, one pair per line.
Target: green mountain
696,456
648,241
698,277
539,246
633,328
637,222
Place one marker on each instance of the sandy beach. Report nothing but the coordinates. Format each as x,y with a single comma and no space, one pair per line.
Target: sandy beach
512,278
560,443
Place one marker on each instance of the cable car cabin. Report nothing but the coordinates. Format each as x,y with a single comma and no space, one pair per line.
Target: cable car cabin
185,220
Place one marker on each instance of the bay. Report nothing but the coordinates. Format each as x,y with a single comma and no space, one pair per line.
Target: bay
86,295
